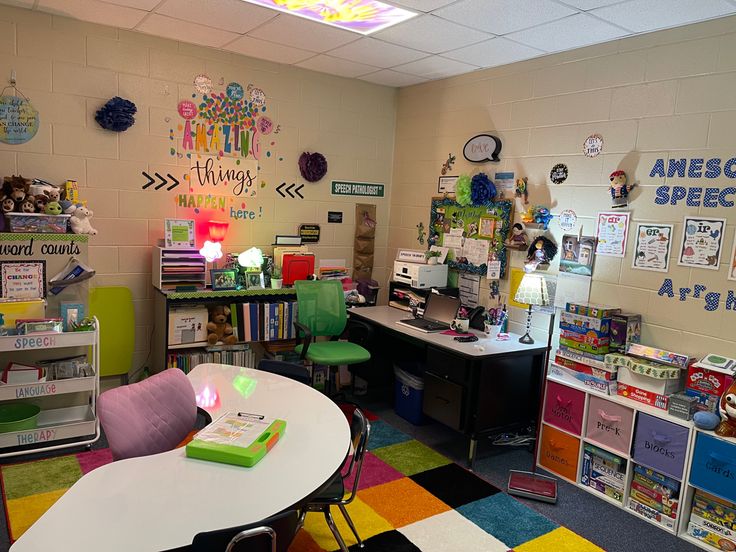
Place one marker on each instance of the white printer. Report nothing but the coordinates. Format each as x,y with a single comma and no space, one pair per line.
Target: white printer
419,275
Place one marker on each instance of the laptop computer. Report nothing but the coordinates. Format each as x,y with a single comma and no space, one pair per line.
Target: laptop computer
439,311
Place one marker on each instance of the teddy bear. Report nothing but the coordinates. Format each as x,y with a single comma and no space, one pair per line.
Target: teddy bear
79,221
7,204
52,193
26,205
16,187
218,328
727,409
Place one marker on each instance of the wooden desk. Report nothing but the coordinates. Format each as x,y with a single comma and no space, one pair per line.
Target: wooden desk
162,501
481,388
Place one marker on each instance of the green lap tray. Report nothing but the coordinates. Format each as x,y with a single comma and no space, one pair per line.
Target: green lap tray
240,456
113,307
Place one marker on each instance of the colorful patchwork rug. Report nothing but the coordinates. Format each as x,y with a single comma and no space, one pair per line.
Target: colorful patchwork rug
410,498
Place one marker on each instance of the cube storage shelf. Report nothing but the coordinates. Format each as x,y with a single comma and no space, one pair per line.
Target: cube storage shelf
63,422
640,435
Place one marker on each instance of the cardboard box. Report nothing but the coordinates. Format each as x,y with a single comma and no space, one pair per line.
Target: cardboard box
582,342
584,324
642,396
709,537
658,355
596,361
624,329
683,406
603,374
643,366
706,401
589,309
705,378
659,386
566,375
652,514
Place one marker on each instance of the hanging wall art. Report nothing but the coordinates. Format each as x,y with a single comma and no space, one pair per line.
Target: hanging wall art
18,120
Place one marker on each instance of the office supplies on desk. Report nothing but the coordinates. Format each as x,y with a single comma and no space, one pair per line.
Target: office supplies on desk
239,438
439,312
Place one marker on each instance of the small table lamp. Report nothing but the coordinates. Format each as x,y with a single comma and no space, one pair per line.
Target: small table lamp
532,291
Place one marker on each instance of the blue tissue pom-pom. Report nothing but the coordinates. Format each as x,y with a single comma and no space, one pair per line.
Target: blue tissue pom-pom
706,420
116,115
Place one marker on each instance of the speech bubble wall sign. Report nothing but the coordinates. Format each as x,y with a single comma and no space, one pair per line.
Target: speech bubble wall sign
482,148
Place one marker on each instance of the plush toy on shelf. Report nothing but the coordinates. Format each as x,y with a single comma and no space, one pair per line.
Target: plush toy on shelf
218,328
542,251
40,201
7,204
16,187
727,408
518,239
26,205
79,221
52,208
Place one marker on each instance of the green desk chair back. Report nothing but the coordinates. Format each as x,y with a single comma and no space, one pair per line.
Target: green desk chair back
113,307
321,312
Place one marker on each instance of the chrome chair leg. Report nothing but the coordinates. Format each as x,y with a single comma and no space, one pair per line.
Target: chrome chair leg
335,532
302,516
351,524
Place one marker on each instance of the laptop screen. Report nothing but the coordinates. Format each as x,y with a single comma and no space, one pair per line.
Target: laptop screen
441,308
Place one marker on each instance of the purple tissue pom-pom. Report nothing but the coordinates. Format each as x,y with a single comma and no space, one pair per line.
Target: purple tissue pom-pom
312,166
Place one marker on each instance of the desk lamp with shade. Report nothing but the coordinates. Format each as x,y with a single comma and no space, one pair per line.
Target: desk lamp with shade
533,292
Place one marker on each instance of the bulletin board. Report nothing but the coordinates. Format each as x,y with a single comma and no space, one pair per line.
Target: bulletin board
448,215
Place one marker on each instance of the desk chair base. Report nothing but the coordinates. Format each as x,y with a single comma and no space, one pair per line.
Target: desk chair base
325,509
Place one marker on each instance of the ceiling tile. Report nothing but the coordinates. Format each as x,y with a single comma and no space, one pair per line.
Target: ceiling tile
184,31
336,66
504,16
436,67
377,53
422,5
94,12
589,4
431,34
147,5
231,15
565,34
387,77
269,51
494,52
301,33
648,15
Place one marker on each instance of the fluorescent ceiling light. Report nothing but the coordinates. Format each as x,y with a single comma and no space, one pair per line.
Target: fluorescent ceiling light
360,16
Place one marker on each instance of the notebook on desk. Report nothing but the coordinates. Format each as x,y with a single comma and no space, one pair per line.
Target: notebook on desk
439,311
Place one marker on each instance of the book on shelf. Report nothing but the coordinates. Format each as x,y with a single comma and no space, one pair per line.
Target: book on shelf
188,324
264,321
187,359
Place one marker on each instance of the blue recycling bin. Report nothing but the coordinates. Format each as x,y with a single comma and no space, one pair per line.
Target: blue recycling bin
408,396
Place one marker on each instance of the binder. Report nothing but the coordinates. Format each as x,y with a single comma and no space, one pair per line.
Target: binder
237,438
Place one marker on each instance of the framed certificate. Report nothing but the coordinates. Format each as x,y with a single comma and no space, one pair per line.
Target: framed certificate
179,233
23,279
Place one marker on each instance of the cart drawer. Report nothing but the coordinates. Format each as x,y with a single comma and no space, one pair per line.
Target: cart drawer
563,407
660,445
443,400
714,466
558,452
609,424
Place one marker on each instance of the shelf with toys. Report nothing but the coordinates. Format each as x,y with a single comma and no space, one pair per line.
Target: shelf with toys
632,424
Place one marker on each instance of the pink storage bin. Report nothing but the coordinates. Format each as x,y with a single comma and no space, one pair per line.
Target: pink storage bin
564,406
609,424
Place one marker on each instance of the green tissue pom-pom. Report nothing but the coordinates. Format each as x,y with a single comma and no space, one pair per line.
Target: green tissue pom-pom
462,190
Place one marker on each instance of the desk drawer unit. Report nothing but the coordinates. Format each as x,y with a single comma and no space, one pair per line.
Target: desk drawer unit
660,445
609,424
714,466
447,365
564,406
558,452
443,400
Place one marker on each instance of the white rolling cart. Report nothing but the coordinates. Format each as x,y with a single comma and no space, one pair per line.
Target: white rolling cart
68,416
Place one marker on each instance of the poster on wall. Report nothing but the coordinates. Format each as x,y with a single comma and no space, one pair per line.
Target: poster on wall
652,247
577,254
611,231
702,242
732,266
23,279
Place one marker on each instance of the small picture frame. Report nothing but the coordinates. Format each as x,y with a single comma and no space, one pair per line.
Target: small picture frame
179,233
486,227
23,279
71,315
446,184
223,279
254,280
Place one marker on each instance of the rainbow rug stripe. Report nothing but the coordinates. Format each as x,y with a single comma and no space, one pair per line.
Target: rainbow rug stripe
410,498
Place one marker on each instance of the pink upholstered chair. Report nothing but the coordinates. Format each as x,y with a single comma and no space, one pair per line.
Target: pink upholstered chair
148,417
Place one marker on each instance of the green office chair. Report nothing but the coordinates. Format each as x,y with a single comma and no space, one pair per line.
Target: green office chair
321,313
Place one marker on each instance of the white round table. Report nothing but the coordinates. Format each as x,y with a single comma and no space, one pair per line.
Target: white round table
161,501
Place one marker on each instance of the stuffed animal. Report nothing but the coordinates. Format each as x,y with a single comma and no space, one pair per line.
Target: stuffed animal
41,200
26,205
53,194
7,204
218,328
541,251
79,221
52,208
727,409
16,187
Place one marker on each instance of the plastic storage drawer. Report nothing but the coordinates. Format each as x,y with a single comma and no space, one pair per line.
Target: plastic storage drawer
609,424
660,445
559,452
714,466
564,407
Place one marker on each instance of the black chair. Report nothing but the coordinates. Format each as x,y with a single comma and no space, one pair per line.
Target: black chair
273,534
333,494
289,370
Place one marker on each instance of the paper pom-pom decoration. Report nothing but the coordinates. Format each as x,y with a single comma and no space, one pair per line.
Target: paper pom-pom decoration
116,115
312,166
462,190
482,190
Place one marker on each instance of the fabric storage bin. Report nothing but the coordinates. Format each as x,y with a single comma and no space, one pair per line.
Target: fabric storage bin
660,445
609,424
714,466
564,406
559,452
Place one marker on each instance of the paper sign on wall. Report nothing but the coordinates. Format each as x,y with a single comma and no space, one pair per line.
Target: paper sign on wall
732,267
469,286
652,247
514,282
572,288
611,231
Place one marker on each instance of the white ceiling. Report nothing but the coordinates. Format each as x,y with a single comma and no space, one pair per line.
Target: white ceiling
447,38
